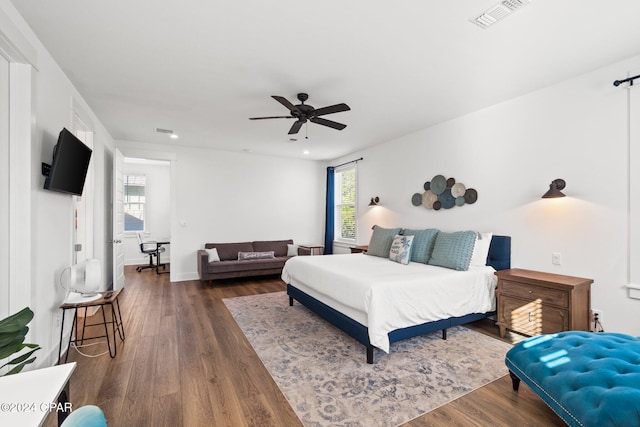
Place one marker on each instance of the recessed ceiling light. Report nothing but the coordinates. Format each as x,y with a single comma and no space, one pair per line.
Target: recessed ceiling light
306,151
173,136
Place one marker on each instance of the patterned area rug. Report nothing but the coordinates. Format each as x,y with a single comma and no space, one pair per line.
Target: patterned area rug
324,375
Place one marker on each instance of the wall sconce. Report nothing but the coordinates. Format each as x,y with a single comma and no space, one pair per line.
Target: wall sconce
374,201
554,189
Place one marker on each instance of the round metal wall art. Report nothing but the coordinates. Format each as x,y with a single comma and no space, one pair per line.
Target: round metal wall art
428,199
444,193
458,189
438,184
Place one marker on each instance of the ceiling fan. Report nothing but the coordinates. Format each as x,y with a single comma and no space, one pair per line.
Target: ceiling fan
303,113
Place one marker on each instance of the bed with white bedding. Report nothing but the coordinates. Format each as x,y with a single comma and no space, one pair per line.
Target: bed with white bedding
378,301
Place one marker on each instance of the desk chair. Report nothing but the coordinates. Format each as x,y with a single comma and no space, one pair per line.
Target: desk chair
150,248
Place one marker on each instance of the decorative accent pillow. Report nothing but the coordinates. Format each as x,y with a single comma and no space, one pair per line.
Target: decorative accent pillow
381,240
453,250
422,245
213,255
481,249
292,250
243,256
401,249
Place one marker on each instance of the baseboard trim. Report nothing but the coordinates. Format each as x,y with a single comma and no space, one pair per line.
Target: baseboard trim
184,277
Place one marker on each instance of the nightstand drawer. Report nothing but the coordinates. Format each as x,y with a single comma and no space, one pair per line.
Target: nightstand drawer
557,297
534,302
532,317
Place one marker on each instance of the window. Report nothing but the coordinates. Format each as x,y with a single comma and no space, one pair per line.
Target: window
134,200
345,204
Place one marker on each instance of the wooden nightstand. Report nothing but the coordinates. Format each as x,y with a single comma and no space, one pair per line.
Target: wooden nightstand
534,303
310,249
359,249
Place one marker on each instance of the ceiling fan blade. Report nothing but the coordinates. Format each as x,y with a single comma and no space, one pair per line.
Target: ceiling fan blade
330,123
331,109
282,100
296,127
272,117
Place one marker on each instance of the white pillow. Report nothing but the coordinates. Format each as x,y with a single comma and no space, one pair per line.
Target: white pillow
213,255
481,250
401,249
292,250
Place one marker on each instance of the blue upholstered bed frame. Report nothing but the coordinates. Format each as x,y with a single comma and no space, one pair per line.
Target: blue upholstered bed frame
499,258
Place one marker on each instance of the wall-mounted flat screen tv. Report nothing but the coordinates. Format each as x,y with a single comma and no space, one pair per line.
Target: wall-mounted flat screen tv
70,164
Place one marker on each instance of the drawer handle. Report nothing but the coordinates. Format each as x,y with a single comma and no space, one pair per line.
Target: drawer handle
530,320
530,292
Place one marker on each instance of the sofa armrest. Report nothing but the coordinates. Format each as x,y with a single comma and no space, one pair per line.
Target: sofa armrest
203,261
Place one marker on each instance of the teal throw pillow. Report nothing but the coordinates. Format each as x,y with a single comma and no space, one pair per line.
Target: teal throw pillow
381,240
423,242
453,250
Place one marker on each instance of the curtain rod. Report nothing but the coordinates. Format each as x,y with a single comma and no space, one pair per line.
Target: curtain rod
346,163
630,80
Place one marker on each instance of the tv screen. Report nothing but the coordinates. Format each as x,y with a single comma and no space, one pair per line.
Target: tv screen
70,164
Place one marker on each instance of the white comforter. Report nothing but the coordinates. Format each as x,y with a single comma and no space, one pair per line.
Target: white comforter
392,295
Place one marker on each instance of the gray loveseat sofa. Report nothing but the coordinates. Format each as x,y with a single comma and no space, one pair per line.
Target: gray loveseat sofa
230,266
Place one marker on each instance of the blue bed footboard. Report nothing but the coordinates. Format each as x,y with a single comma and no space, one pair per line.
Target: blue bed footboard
499,258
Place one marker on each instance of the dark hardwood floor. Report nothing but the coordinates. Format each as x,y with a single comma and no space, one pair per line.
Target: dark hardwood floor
185,362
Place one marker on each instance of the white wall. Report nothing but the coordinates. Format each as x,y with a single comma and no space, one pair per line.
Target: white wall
510,153
157,209
54,101
222,196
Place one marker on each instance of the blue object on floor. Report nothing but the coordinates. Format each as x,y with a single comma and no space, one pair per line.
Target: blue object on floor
86,416
587,378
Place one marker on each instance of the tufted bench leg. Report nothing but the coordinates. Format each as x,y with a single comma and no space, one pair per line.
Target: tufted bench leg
515,381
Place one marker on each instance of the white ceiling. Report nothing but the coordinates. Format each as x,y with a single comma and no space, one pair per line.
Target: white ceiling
203,67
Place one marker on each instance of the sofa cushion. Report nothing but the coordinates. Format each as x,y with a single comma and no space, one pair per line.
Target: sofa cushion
279,247
213,255
247,265
292,250
229,251
255,255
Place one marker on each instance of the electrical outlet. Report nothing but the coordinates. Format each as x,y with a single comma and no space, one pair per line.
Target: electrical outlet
556,258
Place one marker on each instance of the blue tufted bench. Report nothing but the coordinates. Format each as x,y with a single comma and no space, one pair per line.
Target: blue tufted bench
587,378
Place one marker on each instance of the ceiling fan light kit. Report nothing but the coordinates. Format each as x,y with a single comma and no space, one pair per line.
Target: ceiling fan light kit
304,113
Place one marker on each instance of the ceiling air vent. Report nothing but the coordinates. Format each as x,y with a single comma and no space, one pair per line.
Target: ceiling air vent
497,12
167,132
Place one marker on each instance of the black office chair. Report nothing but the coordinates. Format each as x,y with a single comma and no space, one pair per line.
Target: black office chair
149,247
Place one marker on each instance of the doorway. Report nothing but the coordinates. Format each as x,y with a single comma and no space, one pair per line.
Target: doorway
147,206
83,205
